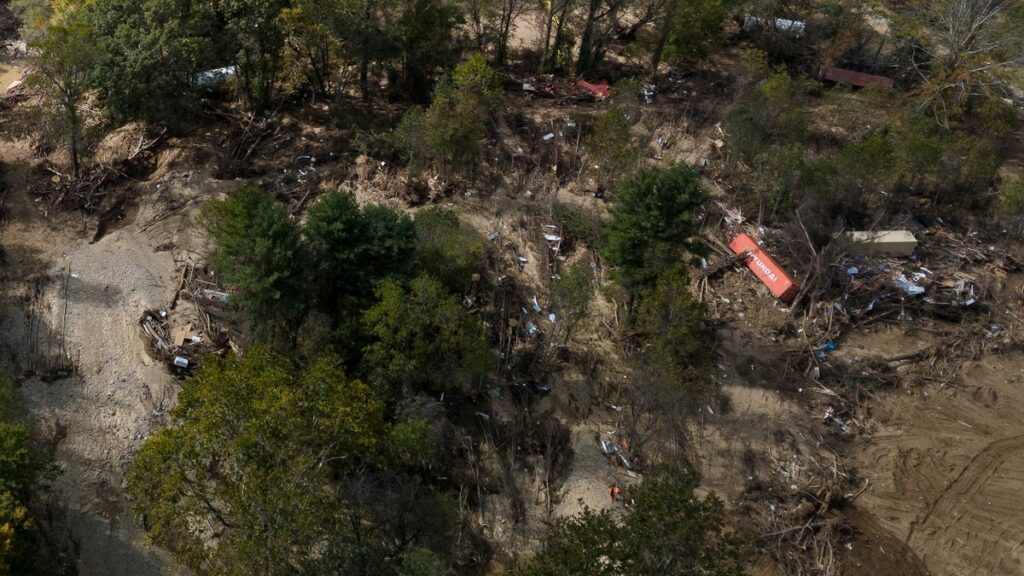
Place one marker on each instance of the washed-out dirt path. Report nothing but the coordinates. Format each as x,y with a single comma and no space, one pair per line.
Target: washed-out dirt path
89,298
63,296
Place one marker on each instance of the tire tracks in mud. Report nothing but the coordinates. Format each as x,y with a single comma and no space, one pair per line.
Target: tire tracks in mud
967,483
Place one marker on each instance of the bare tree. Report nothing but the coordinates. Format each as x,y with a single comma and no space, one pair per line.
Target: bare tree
977,51
510,11
492,23
477,15
598,24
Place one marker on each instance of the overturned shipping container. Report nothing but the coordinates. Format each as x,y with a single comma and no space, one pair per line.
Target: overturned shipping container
766,268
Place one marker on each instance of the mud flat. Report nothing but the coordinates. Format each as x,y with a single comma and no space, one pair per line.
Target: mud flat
946,468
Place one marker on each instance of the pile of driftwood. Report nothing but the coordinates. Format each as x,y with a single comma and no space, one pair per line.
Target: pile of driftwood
247,132
947,288
87,190
794,511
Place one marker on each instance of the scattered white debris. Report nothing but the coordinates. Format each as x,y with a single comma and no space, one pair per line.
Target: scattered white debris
215,77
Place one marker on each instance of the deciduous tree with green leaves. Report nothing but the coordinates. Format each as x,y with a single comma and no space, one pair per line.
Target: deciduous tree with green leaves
252,461
64,57
451,132
555,16
22,470
257,33
424,339
367,35
311,28
149,54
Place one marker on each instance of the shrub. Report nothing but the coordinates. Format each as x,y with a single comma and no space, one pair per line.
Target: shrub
869,164
671,322
772,114
578,225
932,158
615,150
572,292
1011,198
695,25
670,531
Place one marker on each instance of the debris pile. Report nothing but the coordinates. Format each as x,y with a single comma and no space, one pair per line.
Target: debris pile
618,451
564,91
858,79
84,192
937,287
88,190
865,277
794,510
182,338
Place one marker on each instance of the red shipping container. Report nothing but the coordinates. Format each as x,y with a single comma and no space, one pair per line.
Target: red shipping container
766,268
601,90
855,78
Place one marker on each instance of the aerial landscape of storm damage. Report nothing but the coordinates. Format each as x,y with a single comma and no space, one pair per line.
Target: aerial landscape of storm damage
511,287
